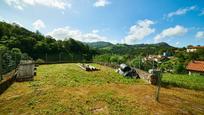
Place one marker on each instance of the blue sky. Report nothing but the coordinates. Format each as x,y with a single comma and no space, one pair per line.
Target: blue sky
177,22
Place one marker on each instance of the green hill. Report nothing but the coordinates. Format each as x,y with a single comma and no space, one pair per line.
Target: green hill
136,49
37,45
100,44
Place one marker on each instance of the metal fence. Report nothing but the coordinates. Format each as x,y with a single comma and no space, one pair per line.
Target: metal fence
8,62
61,57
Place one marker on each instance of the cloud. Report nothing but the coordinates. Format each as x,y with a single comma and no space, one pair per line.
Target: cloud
38,24
21,4
177,43
101,3
200,35
180,11
170,32
139,31
95,31
67,32
202,13
11,22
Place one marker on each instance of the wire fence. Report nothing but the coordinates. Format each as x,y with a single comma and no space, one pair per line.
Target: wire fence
61,57
8,61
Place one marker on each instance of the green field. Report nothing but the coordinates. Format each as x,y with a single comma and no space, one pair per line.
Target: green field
67,89
195,82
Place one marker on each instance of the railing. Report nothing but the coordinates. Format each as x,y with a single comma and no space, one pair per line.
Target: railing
8,62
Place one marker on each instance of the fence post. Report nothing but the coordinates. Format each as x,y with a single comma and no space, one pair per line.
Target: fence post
45,57
1,66
59,57
158,73
139,63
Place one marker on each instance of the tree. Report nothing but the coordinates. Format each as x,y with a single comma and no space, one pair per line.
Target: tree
136,62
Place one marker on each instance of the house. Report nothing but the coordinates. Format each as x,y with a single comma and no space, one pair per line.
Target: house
156,58
152,58
194,48
195,67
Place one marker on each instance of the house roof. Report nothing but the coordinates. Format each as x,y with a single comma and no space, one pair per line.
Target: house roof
196,47
196,66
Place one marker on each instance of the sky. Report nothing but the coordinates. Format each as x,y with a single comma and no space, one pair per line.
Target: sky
177,22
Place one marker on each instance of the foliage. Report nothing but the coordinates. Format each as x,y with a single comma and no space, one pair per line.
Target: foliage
10,58
116,59
39,61
135,50
174,65
37,46
102,58
136,62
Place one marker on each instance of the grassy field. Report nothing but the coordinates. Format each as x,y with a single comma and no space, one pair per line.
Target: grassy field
195,82
67,89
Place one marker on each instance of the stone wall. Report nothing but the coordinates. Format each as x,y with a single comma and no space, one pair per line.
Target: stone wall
7,81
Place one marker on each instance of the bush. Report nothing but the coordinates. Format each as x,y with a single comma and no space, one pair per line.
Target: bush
179,68
102,58
136,62
39,61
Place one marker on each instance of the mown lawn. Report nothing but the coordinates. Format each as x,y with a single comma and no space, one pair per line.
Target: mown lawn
67,89
195,82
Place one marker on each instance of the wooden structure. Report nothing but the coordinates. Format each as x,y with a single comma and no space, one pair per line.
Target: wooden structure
149,77
26,70
87,67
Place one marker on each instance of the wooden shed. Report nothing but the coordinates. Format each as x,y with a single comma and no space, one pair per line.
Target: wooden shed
26,70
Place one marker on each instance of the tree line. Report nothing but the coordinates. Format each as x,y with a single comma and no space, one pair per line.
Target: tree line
38,46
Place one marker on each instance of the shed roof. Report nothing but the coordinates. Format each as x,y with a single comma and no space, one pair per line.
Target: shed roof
196,66
196,47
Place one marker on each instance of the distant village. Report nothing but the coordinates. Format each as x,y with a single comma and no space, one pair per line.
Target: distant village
194,66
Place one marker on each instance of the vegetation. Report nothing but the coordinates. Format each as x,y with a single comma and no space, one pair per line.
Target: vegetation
67,89
99,44
133,50
195,82
9,58
44,47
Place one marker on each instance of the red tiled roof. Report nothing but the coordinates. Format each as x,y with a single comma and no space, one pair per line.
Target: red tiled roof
196,66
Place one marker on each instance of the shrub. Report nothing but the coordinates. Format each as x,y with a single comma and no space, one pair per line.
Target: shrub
39,61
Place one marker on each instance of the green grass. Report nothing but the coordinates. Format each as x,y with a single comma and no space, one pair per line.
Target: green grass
195,82
67,89
72,76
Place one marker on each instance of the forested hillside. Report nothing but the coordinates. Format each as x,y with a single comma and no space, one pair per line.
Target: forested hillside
99,44
132,50
38,46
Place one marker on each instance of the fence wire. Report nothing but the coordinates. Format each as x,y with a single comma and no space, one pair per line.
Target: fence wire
8,62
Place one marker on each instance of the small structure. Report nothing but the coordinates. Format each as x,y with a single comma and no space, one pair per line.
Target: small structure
127,71
195,67
149,77
156,58
194,48
88,67
26,70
